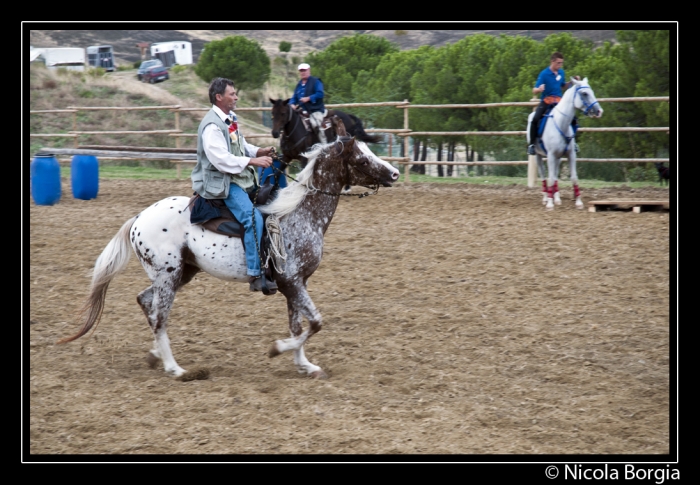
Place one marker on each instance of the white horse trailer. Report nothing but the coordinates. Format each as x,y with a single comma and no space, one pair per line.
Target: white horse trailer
72,58
101,56
172,53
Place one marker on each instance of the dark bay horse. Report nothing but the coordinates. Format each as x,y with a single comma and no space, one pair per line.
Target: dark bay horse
172,250
287,125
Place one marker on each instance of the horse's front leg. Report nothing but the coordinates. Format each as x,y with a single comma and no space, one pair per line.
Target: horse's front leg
299,305
574,176
542,172
552,185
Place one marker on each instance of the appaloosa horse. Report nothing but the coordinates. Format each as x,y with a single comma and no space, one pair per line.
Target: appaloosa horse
172,250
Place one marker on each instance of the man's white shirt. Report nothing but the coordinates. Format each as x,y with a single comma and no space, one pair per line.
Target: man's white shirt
216,149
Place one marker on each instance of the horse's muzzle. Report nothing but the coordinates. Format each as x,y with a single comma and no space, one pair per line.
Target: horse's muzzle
275,134
394,177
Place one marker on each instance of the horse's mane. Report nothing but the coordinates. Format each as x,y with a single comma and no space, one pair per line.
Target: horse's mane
291,196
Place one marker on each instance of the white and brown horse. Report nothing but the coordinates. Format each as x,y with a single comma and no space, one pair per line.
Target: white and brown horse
172,250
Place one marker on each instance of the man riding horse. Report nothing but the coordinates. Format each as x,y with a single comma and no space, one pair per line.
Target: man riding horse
308,95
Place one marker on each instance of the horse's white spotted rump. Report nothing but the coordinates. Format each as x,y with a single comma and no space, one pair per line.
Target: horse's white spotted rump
172,251
557,140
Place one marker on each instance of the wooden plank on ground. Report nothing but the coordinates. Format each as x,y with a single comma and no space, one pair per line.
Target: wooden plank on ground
635,206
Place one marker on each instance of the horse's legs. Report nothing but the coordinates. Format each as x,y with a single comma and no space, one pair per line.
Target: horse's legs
552,181
156,302
542,172
555,191
299,305
574,178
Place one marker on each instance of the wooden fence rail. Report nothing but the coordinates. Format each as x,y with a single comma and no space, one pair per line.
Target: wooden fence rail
404,132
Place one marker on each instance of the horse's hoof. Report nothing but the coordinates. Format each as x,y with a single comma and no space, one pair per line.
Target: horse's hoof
194,375
319,374
273,352
579,204
152,360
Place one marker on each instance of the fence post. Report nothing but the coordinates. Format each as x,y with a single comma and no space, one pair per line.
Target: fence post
532,162
405,144
177,138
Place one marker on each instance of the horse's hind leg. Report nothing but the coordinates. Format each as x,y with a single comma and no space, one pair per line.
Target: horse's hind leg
299,305
156,302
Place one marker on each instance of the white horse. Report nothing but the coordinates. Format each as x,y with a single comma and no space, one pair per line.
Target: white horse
557,140
172,250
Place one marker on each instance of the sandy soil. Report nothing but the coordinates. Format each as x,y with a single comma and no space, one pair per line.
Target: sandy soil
458,320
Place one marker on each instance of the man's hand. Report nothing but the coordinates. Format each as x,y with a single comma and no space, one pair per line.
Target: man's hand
305,99
263,162
265,152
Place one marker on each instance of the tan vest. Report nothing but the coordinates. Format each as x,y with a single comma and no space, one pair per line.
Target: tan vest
207,180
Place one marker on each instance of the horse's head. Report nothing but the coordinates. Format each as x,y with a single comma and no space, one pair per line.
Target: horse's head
584,98
364,167
281,113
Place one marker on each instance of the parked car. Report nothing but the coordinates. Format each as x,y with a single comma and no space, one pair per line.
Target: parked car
145,65
155,74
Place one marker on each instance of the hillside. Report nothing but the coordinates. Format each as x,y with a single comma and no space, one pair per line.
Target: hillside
124,42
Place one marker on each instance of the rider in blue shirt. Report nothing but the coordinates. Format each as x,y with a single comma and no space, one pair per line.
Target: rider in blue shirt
308,95
550,83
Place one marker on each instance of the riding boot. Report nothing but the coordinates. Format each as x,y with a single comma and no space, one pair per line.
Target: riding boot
322,136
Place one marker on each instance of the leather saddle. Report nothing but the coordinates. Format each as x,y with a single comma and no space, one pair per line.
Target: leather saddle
327,123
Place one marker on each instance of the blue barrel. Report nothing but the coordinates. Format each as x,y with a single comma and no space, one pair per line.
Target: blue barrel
45,179
84,176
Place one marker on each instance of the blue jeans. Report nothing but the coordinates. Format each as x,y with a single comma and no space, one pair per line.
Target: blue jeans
242,208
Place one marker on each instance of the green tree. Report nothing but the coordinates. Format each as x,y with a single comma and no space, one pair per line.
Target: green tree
285,46
339,64
242,60
390,81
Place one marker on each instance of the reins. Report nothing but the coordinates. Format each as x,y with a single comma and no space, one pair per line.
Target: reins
374,188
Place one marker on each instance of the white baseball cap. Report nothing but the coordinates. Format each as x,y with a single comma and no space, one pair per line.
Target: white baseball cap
303,65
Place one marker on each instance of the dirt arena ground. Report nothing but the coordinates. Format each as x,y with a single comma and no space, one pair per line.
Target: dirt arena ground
459,320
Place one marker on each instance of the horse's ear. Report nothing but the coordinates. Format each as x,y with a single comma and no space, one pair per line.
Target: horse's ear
339,126
273,101
286,101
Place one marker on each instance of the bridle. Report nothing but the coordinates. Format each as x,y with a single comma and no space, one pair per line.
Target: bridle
587,106
374,188
288,133
583,102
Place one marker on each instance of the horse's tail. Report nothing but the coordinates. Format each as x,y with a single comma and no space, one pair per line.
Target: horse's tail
361,134
110,262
